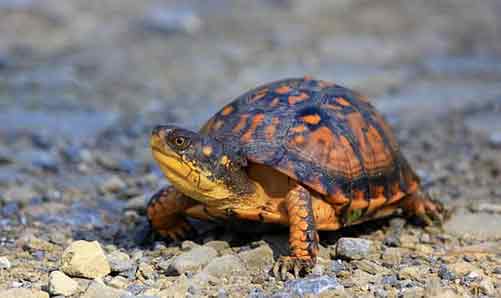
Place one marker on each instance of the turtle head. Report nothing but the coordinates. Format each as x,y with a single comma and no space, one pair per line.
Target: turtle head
198,165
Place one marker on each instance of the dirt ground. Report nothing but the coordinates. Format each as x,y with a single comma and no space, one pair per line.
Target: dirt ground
83,82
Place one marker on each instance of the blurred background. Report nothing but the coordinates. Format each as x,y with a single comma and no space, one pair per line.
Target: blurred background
82,83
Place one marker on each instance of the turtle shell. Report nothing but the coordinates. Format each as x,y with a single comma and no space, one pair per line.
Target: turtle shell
325,136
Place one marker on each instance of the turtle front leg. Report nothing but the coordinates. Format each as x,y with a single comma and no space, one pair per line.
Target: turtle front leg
165,212
420,204
303,236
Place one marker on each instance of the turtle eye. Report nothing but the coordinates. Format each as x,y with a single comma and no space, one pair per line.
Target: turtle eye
180,142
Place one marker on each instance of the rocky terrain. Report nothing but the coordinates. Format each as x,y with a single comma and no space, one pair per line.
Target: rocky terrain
83,82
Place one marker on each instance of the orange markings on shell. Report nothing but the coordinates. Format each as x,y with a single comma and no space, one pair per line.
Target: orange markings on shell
258,119
241,123
227,110
217,125
259,94
331,107
299,128
270,130
311,119
293,99
275,102
283,89
299,140
342,101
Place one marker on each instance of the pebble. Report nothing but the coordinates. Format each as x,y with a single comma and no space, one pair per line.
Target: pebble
225,266
166,20
99,290
218,245
4,263
354,248
113,184
177,289
414,272
118,282
85,259
487,287
259,259
312,285
61,284
119,261
370,267
23,293
21,194
445,273
193,259
337,266
462,268
34,244
495,140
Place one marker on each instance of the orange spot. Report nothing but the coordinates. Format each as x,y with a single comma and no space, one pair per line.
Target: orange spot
299,128
241,124
307,78
293,99
217,125
299,139
311,119
270,130
207,150
259,94
227,110
275,102
331,107
283,89
258,119
342,101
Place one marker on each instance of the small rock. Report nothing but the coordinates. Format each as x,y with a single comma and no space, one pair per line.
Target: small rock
34,244
497,270
462,268
60,284
119,261
392,256
414,272
146,270
23,293
337,266
85,259
113,184
412,293
137,203
259,259
486,207
312,285
225,266
354,248
487,287
4,263
118,282
98,290
495,139
445,273
370,267
178,289
218,245
193,259
166,20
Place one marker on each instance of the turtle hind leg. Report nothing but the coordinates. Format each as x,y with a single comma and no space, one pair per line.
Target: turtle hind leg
427,210
165,212
303,236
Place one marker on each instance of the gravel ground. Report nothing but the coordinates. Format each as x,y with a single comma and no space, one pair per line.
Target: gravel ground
83,82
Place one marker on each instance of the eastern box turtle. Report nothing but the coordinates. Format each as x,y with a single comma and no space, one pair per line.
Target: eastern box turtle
299,152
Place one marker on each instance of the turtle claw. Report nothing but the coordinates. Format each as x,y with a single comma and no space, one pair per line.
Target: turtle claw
178,232
291,267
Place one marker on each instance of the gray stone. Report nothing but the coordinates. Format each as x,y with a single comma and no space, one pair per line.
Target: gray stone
312,285
119,261
166,20
259,259
61,284
99,290
85,259
218,245
414,272
354,248
225,266
462,268
487,287
4,263
23,293
113,184
193,259
495,139
21,194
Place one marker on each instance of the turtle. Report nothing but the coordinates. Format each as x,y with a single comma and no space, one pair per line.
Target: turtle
305,153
